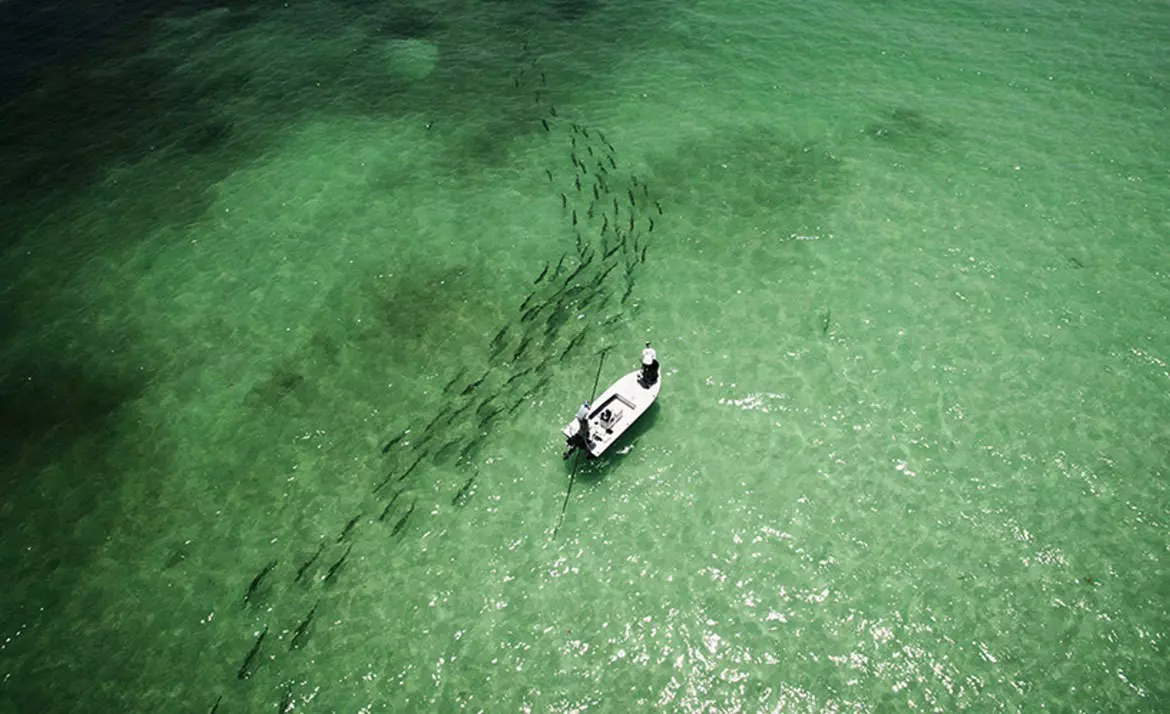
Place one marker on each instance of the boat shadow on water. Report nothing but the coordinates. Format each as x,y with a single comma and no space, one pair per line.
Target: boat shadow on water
593,470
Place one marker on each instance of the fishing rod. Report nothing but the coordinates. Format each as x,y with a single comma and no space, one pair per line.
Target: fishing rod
576,459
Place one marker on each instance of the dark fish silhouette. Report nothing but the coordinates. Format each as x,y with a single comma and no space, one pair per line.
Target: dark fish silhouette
402,521
456,378
287,698
658,205
518,375
612,162
552,111
541,276
386,510
545,122
473,386
215,707
469,450
560,264
573,343
245,670
547,172
486,418
337,566
392,442
309,563
256,581
564,200
461,497
826,321
644,253
348,527
574,216
299,633
521,349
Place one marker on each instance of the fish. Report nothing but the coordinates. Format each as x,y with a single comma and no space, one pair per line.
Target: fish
531,313
521,349
658,205
390,444
573,343
337,566
548,173
631,222
245,670
536,97
602,276
309,563
577,182
826,321
299,632
497,340
560,264
626,294
575,214
473,386
604,223
386,510
256,581
612,162
215,707
402,521
564,201
287,699
469,450
461,497
596,193
574,159
630,193
459,375
585,132
644,253
543,121
348,527
542,273
516,376
651,225
611,251
486,418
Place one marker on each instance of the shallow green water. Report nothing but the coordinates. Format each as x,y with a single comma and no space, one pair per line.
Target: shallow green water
906,278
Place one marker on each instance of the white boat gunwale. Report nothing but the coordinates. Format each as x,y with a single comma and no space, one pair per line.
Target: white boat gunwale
606,425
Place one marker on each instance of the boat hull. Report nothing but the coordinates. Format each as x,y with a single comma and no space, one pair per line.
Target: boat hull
615,411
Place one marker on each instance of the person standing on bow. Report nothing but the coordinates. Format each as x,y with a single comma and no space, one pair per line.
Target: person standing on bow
649,366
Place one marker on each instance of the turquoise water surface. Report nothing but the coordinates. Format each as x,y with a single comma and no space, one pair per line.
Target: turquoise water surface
297,298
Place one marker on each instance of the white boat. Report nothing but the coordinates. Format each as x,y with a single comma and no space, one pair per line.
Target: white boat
614,411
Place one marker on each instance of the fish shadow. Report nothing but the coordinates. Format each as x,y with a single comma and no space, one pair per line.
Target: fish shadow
594,470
